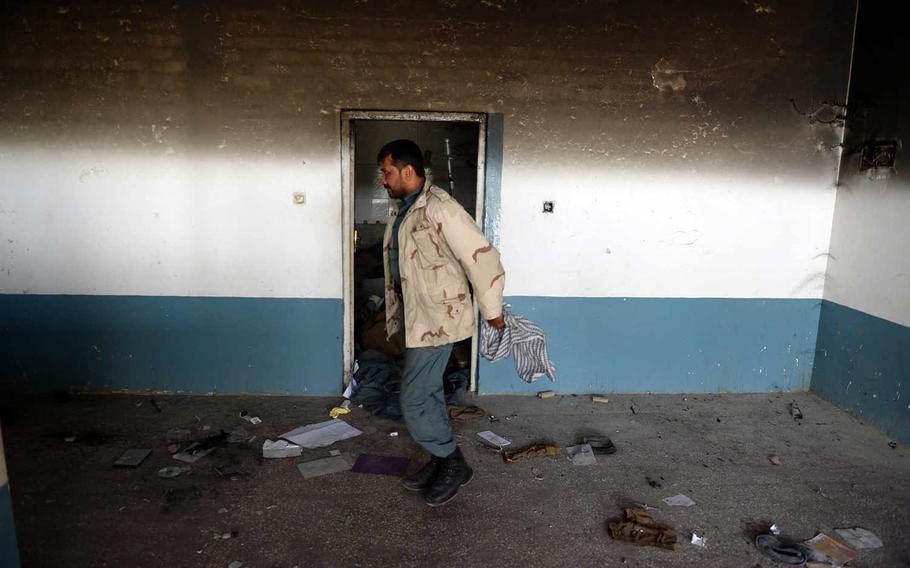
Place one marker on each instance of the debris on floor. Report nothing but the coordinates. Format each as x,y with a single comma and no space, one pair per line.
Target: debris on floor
325,466
240,435
795,412
235,564
774,458
600,399
321,434
198,450
600,444
344,408
378,384
679,501
546,394
280,449
532,451
638,527
698,540
493,439
581,454
773,547
251,419
382,465
132,457
859,538
824,544
172,471
465,412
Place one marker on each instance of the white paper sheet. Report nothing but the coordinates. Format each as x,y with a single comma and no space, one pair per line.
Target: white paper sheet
322,434
679,501
493,439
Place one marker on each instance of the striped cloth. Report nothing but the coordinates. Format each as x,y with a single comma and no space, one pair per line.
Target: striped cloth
522,338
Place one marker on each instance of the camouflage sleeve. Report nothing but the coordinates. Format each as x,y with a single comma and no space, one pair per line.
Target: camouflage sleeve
478,257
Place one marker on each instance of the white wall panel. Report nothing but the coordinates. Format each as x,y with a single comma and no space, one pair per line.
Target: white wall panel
76,222
625,233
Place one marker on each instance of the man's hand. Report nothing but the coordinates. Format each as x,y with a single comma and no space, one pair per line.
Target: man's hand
498,322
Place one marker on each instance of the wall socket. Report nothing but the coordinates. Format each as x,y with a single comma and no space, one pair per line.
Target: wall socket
548,206
300,198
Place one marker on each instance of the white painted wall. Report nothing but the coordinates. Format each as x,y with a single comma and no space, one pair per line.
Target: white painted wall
86,222
103,222
870,265
690,234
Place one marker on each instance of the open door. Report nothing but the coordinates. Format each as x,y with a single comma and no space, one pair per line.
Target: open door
454,146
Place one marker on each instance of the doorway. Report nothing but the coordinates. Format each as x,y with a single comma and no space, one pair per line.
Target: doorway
454,146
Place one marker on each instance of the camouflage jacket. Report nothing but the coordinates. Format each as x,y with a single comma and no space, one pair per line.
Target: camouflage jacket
440,248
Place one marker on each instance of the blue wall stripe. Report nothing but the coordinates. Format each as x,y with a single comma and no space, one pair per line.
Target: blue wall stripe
187,344
861,363
605,345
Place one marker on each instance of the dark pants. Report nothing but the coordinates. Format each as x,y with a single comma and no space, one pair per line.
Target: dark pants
423,400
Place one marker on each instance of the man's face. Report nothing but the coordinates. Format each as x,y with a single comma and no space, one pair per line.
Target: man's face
392,179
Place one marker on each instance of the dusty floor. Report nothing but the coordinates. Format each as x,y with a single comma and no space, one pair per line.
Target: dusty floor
74,509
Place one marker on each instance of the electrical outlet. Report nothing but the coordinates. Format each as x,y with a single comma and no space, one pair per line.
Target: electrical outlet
300,198
548,206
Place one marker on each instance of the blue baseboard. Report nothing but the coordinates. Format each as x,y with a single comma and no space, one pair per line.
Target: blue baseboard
861,363
606,345
178,344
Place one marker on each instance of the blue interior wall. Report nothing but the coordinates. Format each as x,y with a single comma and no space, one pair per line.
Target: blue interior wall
605,345
179,344
861,364
862,360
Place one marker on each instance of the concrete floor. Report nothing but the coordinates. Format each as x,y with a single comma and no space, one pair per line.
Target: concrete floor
73,508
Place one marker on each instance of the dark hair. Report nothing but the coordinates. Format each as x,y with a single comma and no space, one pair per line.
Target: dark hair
404,153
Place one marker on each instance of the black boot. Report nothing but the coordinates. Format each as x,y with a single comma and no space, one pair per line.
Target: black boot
453,473
424,477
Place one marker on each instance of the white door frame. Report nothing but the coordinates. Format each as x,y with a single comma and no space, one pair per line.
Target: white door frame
347,208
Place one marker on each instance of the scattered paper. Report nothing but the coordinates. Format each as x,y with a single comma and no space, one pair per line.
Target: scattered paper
698,540
325,466
335,453
860,538
679,501
834,550
581,454
132,458
775,530
493,439
321,434
280,449
393,434
250,419
189,456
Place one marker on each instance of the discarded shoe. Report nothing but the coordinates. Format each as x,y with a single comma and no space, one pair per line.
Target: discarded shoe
779,551
424,477
638,527
454,472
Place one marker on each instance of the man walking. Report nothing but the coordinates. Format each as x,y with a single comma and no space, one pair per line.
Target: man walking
432,249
